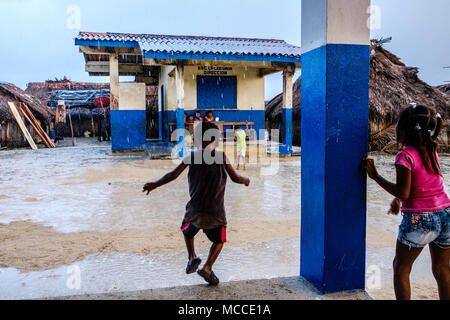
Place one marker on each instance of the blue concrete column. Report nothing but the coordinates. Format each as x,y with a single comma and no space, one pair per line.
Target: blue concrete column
180,132
179,70
335,99
286,147
128,130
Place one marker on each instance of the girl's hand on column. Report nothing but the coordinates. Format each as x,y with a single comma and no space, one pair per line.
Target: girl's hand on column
395,207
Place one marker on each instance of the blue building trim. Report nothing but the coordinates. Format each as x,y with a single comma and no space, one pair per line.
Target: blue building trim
160,126
226,57
286,149
128,130
335,99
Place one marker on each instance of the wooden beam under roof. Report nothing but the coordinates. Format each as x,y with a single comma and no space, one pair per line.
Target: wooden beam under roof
279,66
265,72
109,50
103,67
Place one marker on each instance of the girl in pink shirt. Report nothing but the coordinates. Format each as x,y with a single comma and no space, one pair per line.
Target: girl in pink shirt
419,192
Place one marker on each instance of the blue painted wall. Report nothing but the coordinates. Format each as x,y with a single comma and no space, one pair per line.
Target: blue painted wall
128,130
335,99
215,92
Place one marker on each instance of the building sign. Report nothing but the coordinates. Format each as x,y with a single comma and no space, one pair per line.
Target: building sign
214,71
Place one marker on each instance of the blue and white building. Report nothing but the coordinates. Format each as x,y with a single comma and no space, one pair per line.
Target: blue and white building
222,75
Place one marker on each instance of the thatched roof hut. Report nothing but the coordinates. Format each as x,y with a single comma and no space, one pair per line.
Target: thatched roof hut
393,86
10,133
11,93
43,90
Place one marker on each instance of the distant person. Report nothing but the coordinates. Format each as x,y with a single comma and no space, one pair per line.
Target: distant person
198,116
60,119
101,125
240,136
190,119
207,177
190,124
420,195
209,117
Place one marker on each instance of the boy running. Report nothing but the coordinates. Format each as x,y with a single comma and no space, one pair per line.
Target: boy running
207,177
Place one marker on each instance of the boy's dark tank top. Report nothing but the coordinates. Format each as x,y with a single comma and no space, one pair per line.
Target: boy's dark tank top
206,209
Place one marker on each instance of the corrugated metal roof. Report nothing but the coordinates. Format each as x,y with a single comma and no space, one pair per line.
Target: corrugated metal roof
76,98
199,44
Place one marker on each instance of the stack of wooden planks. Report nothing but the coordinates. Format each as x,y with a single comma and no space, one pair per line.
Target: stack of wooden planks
28,115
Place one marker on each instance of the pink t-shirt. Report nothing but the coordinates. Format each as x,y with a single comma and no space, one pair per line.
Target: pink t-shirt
427,189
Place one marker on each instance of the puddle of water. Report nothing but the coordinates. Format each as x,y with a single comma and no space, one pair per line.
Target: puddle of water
125,272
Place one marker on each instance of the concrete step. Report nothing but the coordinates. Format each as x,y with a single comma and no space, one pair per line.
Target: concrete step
160,152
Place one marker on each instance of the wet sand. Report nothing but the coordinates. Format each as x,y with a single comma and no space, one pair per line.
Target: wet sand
84,206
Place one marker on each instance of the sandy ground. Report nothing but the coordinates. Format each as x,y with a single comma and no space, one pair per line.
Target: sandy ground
28,246
83,205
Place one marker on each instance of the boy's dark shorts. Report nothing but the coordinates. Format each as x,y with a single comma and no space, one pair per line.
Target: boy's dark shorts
217,235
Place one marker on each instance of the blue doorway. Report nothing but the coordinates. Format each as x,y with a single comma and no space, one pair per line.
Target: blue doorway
215,92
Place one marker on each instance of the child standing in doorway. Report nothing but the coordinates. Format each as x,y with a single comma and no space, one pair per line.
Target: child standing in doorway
240,136
207,177
420,195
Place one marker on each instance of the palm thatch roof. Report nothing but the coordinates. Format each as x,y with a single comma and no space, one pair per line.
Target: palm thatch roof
393,86
11,93
445,88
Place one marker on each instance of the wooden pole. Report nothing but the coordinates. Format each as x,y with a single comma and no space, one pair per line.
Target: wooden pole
34,123
71,127
114,81
22,125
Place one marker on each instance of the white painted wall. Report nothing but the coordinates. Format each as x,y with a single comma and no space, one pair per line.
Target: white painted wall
131,96
335,22
348,22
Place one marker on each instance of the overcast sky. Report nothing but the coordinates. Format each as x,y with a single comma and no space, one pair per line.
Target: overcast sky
38,45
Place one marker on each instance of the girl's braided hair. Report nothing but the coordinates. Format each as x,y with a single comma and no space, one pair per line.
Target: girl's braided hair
419,127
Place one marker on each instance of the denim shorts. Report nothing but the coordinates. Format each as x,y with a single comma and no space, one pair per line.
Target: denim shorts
419,229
